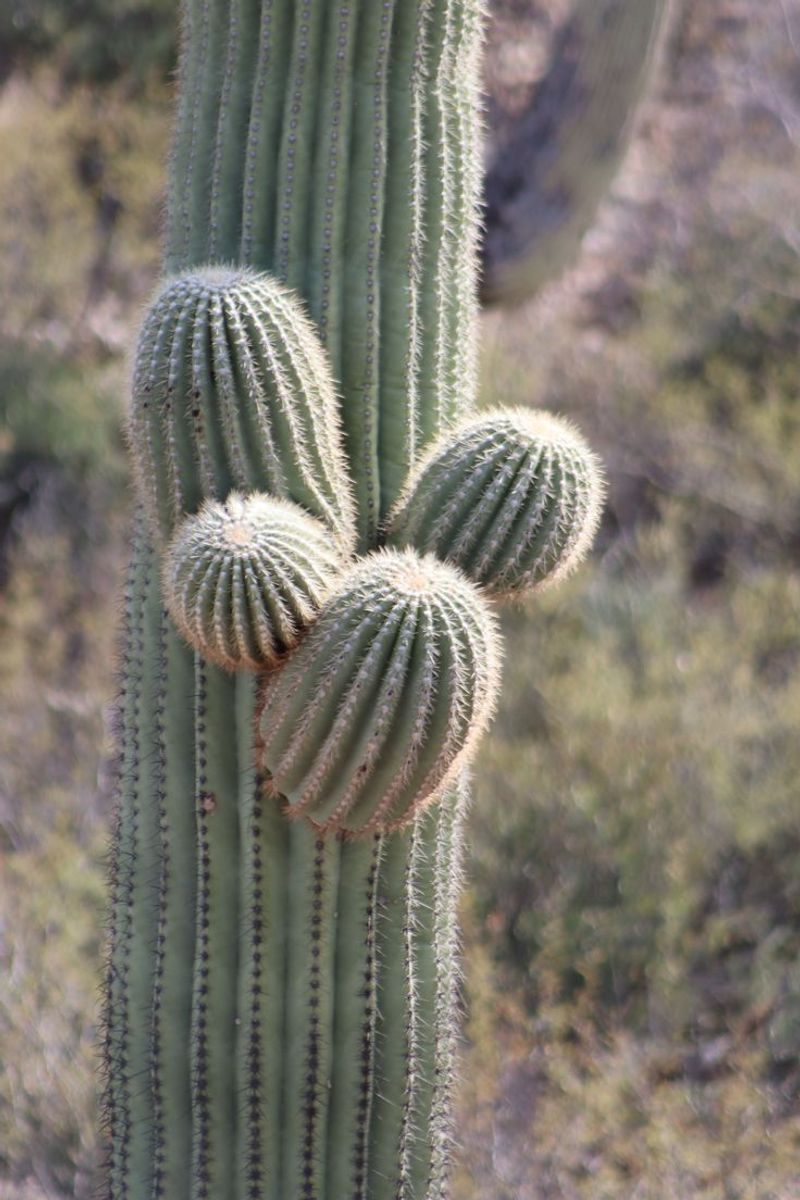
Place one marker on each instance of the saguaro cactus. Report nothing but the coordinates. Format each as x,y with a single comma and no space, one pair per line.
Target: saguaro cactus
279,1019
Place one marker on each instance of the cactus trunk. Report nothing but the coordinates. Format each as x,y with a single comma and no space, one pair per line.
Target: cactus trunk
280,999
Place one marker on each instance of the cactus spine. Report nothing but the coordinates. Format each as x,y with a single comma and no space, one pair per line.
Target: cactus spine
280,992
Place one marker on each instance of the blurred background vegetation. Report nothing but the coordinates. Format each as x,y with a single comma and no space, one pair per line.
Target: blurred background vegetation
632,919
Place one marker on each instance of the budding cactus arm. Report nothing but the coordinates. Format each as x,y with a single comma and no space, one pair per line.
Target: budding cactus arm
383,702
232,390
511,497
244,579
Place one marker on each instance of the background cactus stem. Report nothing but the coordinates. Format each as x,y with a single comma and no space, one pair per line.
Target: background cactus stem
547,179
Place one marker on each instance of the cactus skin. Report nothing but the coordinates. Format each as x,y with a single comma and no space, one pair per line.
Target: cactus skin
280,998
231,390
243,579
383,704
512,497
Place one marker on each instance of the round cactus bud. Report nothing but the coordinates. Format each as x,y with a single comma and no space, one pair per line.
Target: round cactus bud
385,699
243,579
512,497
232,391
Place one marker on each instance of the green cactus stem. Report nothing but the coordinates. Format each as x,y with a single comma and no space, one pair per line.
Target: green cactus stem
384,703
280,995
250,1055
511,497
243,579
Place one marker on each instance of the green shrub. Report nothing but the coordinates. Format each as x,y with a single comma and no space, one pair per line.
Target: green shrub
93,41
59,410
